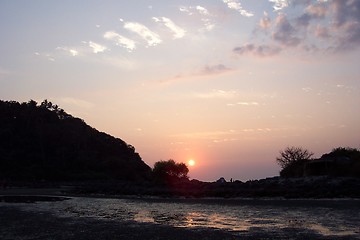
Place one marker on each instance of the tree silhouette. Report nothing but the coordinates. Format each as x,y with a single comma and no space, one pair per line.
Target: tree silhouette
290,155
293,160
169,171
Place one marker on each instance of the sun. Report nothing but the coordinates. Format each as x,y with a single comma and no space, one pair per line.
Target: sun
191,162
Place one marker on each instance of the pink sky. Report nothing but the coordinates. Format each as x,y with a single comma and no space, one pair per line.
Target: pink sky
227,83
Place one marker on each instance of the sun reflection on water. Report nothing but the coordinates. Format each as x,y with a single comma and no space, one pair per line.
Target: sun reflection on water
240,217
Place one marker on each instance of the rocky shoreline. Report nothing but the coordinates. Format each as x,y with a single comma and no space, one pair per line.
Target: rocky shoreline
288,188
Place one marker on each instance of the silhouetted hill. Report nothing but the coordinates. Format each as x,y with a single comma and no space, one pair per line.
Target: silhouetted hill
43,142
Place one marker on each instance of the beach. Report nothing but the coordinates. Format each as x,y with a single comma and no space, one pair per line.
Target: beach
50,217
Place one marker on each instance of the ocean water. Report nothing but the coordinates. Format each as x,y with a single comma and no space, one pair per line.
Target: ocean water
325,217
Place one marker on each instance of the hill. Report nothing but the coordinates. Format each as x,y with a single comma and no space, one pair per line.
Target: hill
43,142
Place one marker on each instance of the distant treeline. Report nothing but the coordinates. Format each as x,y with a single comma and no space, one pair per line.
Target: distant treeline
340,162
43,142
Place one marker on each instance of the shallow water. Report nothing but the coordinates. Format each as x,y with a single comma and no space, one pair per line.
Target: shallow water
325,217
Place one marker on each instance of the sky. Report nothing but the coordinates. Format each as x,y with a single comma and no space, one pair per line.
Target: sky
227,83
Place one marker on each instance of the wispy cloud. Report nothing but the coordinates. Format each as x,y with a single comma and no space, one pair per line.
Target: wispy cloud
217,94
257,50
186,10
307,89
191,10
225,135
204,72
202,12
235,5
149,36
178,31
120,40
97,48
207,134
279,4
47,56
214,69
68,50
244,104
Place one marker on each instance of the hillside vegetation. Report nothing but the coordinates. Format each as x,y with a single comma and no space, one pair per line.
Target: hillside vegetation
43,142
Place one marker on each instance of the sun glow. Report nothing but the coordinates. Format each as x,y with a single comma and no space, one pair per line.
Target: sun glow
191,162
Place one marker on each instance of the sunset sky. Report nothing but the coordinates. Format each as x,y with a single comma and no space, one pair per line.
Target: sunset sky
227,83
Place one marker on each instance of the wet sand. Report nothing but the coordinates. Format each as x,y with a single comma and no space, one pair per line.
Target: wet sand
17,223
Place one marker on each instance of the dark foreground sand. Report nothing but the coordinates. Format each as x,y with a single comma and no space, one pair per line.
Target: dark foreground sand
17,223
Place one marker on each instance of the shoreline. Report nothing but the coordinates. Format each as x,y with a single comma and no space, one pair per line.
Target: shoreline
64,192
321,188
33,223
35,217
20,195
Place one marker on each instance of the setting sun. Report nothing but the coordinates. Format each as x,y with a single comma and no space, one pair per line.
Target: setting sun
191,162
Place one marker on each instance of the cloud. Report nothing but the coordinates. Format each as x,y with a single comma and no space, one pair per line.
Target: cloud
215,69
97,48
69,51
346,22
186,10
342,27
307,89
345,10
330,26
317,10
284,32
206,71
120,40
217,94
260,51
265,22
46,55
248,103
312,12
279,4
202,12
73,52
178,31
245,104
206,134
191,10
150,37
235,5
322,32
